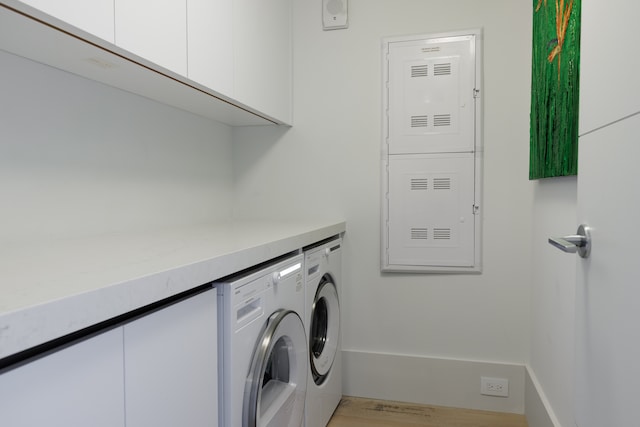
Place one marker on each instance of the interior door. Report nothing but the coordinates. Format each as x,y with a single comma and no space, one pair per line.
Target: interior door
607,369
608,289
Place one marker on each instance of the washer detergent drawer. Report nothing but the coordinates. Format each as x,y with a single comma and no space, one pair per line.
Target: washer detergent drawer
249,310
313,265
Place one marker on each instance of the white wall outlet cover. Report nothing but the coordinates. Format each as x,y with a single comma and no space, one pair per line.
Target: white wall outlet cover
494,386
335,14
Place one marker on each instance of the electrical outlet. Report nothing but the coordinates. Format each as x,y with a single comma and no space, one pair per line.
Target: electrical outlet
494,386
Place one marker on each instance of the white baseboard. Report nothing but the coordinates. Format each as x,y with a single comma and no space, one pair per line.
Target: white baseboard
442,382
537,408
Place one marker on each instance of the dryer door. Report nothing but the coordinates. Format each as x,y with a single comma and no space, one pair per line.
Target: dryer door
325,329
277,383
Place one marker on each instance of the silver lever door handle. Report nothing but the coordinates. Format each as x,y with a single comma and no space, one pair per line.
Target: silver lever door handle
579,242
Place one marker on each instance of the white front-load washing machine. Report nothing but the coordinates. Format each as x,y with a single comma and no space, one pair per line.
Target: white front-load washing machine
323,282
262,346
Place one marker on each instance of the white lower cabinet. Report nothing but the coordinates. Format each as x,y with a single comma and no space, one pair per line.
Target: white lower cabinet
171,365
158,370
81,385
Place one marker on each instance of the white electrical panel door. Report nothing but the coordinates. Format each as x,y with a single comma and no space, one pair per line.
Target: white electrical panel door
431,210
431,90
431,153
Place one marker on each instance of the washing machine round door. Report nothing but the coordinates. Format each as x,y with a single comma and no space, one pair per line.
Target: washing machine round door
325,329
276,387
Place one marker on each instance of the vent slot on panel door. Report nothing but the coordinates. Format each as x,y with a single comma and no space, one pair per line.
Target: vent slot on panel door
442,69
419,121
419,233
442,183
419,184
419,70
442,120
442,234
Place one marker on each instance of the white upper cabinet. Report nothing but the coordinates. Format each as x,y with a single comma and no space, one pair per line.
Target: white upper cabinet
238,48
92,16
210,45
156,31
230,60
262,56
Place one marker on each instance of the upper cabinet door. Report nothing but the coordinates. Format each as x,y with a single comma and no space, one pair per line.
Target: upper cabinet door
262,56
210,44
92,16
156,31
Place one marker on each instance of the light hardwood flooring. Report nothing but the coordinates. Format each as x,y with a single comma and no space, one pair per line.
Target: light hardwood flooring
357,412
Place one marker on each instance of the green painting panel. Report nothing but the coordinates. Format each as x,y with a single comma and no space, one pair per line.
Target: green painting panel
555,74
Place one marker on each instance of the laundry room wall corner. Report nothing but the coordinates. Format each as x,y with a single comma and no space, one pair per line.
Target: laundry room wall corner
537,407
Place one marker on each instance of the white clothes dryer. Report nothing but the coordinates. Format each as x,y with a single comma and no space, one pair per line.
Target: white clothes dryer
323,282
262,348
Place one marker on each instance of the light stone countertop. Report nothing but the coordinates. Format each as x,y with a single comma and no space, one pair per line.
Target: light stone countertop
48,290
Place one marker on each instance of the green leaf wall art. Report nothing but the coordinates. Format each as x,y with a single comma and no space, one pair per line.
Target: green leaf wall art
555,74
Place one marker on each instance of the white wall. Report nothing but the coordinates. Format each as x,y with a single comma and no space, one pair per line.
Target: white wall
327,165
553,297
78,158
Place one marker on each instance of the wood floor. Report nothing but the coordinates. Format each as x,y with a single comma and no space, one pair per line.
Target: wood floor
356,412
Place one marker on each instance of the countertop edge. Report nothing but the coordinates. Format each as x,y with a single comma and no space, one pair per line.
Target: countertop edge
31,325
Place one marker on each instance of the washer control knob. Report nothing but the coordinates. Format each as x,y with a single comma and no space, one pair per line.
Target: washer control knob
327,252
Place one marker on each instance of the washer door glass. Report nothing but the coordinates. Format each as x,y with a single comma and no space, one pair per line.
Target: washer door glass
325,330
276,386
